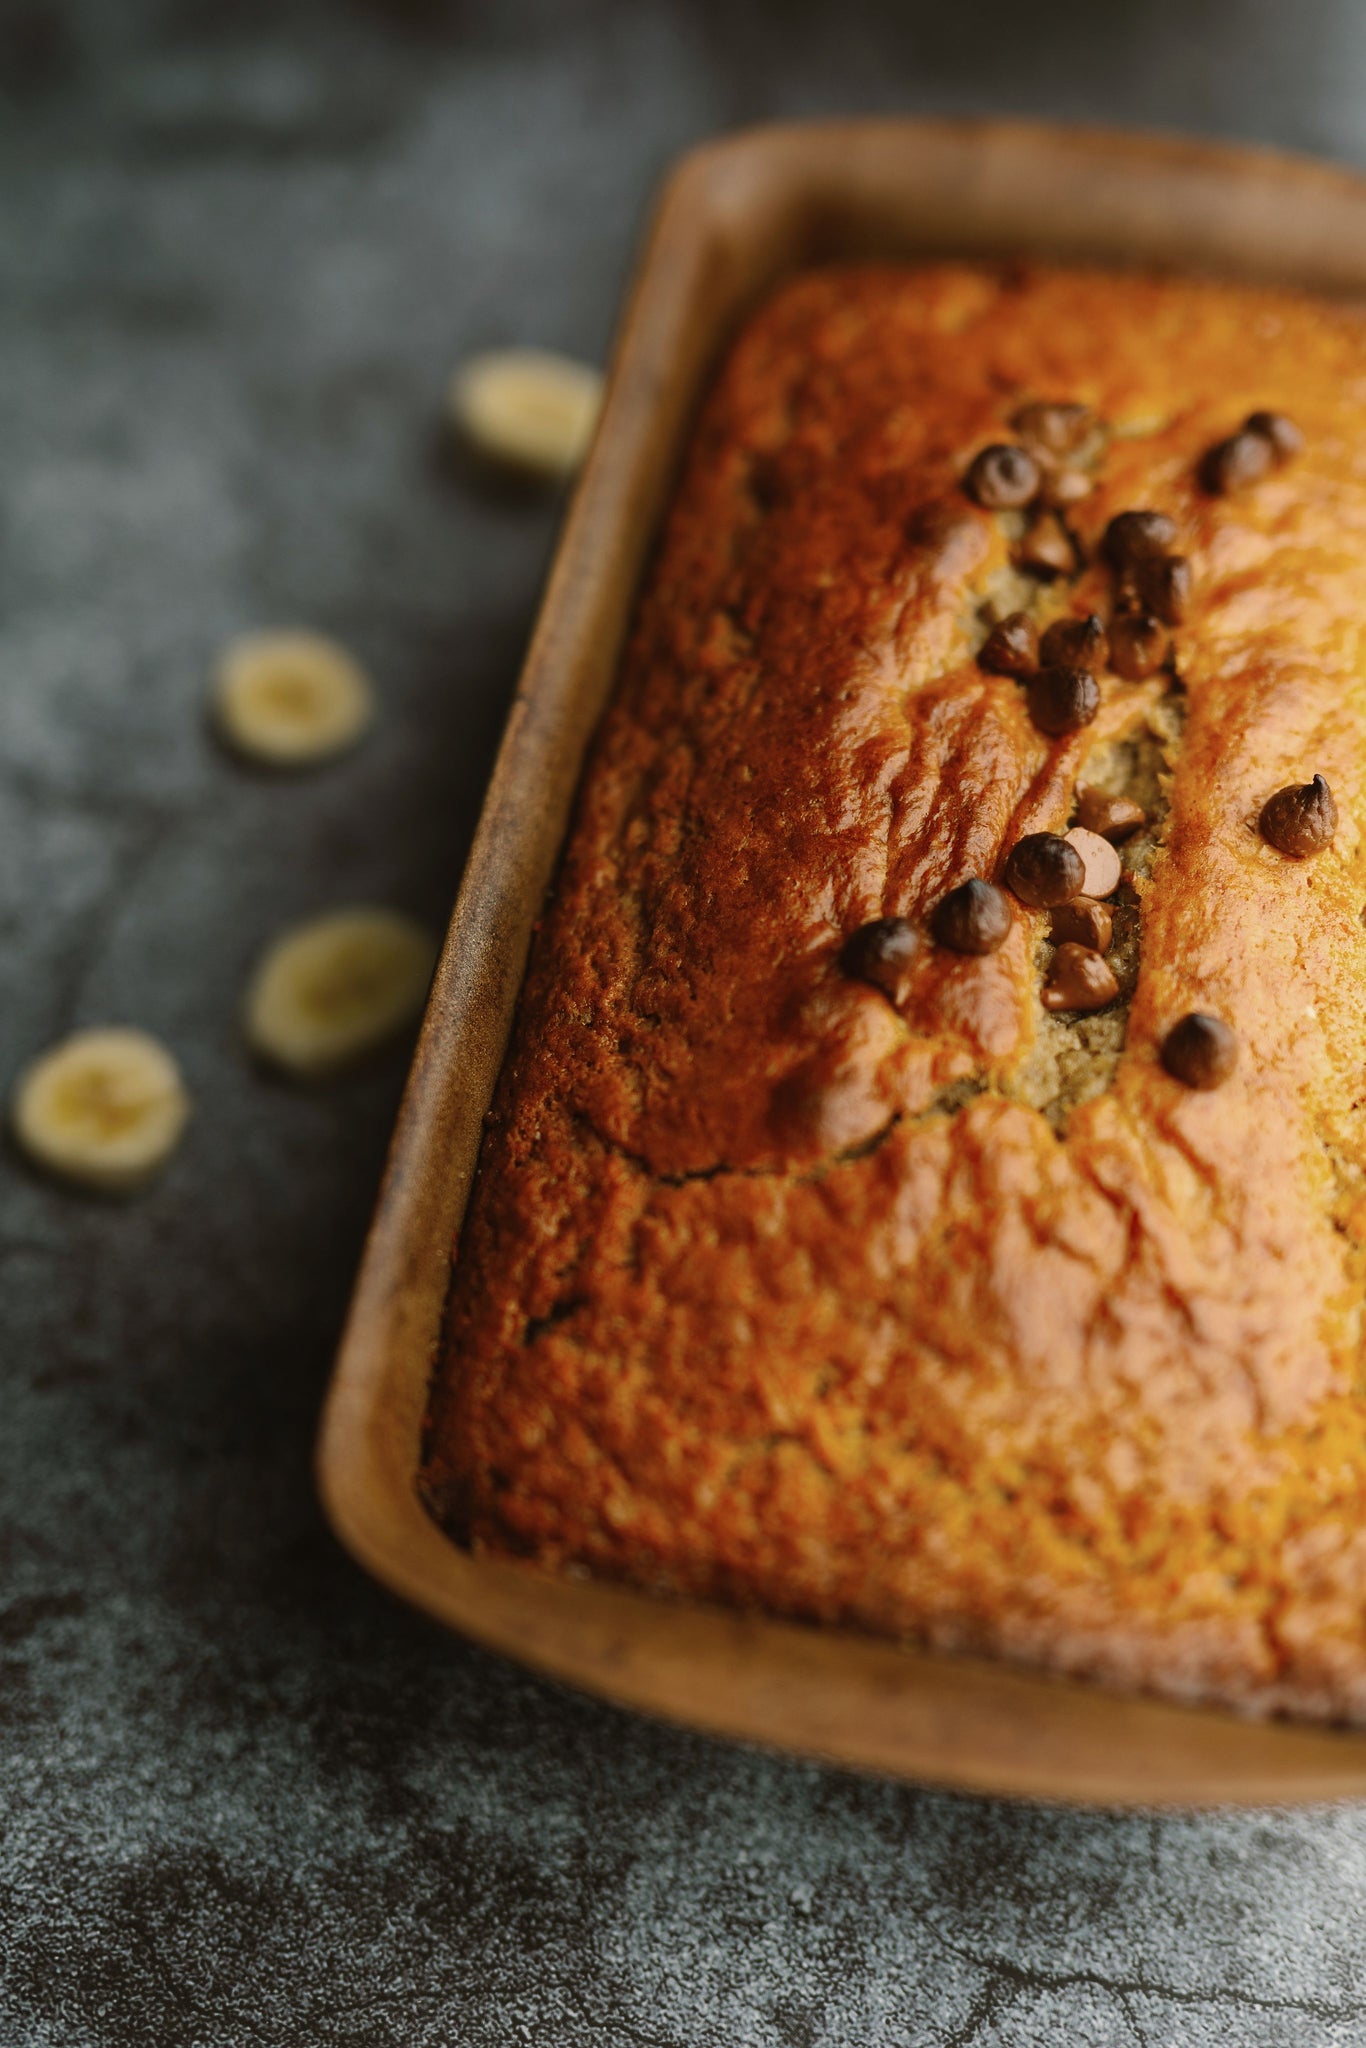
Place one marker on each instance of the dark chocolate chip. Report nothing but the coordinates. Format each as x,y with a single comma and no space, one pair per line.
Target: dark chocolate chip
1301,819
1055,432
973,918
1133,536
1285,437
1200,1051
882,953
1011,648
1082,922
1138,645
1074,643
1043,869
1062,700
1113,817
1046,549
1161,584
1079,980
1002,477
1231,465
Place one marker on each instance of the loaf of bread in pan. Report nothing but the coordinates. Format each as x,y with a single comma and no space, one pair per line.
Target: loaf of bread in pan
907,1301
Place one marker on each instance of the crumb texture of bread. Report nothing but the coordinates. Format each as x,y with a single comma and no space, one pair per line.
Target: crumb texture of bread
950,1319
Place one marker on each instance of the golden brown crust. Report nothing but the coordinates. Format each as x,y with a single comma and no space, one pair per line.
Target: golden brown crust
771,1293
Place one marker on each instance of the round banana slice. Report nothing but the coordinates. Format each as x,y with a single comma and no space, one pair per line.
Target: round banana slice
328,992
105,1108
290,698
529,409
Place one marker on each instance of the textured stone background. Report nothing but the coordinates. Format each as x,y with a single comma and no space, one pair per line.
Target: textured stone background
246,1799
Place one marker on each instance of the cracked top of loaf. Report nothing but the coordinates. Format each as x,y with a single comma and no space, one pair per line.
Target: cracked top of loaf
945,1316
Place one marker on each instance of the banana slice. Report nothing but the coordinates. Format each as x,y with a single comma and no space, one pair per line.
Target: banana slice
105,1108
330,991
290,698
527,408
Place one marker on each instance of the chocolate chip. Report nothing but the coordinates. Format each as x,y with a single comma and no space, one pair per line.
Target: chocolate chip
1082,922
1075,643
1114,817
1200,1051
1063,700
1161,585
882,953
1046,549
1079,980
1138,645
1064,487
1231,465
1043,870
1133,536
1100,860
1011,648
1054,432
1285,437
1002,477
1301,819
973,918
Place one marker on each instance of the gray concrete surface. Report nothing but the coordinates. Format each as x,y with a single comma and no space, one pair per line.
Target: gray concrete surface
246,1799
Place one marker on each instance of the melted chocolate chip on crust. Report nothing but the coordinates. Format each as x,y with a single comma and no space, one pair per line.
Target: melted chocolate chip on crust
1231,465
1200,1051
1138,645
1075,643
1002,477
1134,536
1063,700
1300,820
1083,922
1044,870
882,953
1265,441
1161,585
1079,980
1114,817
1055,432
1046,550
1064,487
973,918
1011,648
1285,437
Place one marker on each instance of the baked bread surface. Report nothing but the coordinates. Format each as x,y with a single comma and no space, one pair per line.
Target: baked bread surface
951,1319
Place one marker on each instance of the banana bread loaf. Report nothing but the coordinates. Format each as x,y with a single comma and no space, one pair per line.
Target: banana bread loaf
925,1189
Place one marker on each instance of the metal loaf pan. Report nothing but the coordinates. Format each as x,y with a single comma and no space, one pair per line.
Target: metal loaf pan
735,216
